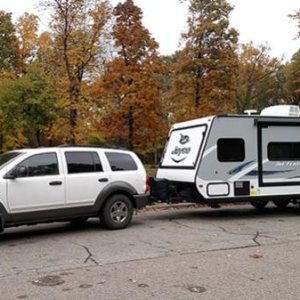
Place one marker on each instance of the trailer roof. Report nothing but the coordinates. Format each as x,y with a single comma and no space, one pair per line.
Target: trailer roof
194,122
259,117
256,118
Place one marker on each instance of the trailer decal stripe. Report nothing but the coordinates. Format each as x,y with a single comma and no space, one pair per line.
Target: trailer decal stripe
255,172
242,173
240,168
208,151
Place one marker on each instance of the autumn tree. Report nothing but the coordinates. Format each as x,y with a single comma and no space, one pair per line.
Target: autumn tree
169,62
129,91
205,72
258,78
293,78
296,17
8,43
27,33
293,68
78,27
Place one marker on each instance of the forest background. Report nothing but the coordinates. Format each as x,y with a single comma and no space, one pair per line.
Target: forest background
96,75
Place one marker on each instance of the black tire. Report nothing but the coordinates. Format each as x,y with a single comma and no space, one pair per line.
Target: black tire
1,225
281,203
117,212
79,221
260,204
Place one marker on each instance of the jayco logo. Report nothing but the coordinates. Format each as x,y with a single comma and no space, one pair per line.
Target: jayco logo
184,139
181,153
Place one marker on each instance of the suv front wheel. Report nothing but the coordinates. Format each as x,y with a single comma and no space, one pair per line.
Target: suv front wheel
116,212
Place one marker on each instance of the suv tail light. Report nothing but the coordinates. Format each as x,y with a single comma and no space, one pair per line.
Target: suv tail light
147,189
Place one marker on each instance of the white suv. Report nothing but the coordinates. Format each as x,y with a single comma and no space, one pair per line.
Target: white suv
70,183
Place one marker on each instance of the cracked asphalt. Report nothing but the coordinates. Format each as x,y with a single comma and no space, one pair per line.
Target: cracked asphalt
236,252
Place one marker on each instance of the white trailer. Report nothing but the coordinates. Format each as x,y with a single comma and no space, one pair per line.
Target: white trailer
229,158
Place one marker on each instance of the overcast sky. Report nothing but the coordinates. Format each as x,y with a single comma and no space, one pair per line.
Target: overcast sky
257,20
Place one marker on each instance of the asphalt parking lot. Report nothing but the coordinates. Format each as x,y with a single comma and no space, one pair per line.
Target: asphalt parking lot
236,252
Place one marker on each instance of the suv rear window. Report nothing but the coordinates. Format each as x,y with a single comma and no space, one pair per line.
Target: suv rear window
121,161
83,162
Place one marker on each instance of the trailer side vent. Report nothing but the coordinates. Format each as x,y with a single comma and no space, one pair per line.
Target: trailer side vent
241,188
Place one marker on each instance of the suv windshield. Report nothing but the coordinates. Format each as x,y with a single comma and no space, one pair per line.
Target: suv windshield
8,157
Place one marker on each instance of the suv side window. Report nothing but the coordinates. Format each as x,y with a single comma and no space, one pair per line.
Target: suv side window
44,164
83,162
121,161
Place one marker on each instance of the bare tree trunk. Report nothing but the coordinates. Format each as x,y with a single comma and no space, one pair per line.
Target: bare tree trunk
198,76
197,94
73,125
155,157
38,137
1,138
73,112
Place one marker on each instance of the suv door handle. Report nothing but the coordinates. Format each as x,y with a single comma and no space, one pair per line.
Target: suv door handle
103,179
55,183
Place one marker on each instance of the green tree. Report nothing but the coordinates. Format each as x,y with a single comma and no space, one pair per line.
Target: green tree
8,43
293,69
28,110
293,78
205,72
260,82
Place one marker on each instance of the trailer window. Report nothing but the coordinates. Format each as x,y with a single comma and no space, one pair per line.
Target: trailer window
284,151
231,150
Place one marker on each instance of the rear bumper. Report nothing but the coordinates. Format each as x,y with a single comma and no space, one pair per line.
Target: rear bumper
141,200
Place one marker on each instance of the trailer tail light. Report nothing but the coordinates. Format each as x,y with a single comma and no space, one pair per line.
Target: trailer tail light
147,188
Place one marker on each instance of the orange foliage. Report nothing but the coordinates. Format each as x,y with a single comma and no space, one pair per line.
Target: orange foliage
27,28
129,91
204,76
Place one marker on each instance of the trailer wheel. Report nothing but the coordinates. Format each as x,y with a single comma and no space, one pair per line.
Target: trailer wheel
260,204
1,224
281,203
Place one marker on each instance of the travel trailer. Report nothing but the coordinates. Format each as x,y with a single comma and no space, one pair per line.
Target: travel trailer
229,158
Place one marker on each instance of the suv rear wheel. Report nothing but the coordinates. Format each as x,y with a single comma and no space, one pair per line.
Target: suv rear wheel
117,212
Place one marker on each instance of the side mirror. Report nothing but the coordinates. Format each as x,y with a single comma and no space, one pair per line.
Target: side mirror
20,171
10,175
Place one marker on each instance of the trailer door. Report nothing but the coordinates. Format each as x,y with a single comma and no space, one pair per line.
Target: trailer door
278,152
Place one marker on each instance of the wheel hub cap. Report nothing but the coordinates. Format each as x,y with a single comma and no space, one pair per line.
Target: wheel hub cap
119,212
